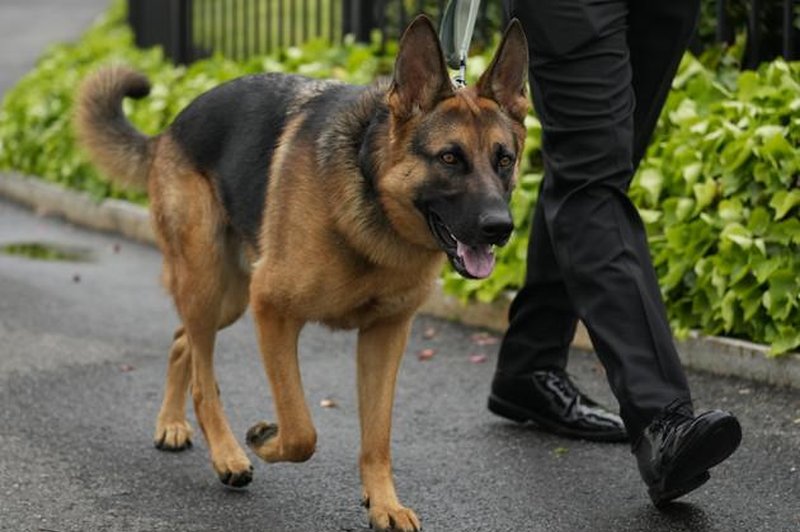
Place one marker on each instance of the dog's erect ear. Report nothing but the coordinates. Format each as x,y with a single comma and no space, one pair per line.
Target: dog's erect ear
504,80
420,74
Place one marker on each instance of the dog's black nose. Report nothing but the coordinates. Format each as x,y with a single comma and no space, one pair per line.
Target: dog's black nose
495,227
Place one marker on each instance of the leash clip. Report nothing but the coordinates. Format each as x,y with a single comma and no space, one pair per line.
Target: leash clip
460,80
455,34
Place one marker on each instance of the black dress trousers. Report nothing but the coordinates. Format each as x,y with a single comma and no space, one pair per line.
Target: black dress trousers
600,71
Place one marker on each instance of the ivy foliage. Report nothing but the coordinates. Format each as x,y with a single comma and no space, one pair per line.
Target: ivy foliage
720,193
719,189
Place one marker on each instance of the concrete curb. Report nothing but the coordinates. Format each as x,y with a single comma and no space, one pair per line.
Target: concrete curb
721,356
712,354
77,207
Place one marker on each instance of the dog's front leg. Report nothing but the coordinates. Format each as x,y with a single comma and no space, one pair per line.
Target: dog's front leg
380,348
294,438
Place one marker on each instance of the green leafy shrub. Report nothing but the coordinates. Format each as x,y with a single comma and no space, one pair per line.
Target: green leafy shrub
719,189
35,131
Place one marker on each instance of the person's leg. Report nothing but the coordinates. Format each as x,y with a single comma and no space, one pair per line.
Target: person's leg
584,96
658,34
585,101
676,449
541,318
530,383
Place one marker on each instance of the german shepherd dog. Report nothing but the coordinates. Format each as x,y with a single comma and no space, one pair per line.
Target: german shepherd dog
316,201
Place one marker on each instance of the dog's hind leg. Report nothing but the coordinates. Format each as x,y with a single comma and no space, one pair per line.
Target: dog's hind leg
202,315
198,256
173,432
380,349
218,297
294,439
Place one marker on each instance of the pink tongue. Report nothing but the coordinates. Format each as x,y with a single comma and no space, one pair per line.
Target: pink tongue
478,261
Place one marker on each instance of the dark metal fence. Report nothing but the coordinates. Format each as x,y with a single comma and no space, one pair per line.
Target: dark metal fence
240,28
771,28
192,29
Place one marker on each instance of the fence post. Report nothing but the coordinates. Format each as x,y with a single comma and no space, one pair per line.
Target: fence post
134,20
790,34
181,31
165,23
358,18
724,30
752,50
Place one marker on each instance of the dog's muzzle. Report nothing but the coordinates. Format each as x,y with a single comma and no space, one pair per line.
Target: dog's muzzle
473,261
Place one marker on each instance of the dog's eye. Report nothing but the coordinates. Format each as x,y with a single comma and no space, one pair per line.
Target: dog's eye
449,158
505,161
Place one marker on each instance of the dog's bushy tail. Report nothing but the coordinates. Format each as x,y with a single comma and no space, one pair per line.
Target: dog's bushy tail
114,145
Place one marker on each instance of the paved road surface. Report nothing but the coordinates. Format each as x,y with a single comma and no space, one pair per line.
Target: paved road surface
27,27
82,353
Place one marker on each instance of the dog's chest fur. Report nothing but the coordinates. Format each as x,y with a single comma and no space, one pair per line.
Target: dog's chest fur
337,288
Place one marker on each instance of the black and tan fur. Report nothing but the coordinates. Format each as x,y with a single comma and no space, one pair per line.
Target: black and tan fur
315,201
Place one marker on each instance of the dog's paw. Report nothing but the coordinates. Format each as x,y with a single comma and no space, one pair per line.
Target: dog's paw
238,479
392,518
267,441
233,468
260,433
173,436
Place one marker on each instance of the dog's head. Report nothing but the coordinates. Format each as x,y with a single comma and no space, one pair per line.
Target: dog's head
455,152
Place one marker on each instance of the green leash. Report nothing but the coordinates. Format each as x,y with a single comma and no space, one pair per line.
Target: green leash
455,34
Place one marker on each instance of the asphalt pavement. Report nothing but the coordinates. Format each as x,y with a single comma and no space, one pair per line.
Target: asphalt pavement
83,348
27,27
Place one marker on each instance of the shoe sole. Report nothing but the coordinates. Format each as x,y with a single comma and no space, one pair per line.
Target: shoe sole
695,459
521,415
661,499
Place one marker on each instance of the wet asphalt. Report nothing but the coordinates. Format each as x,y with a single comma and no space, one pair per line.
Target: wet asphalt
83,350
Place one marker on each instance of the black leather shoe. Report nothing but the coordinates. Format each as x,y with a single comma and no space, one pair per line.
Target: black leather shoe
677,449
551,400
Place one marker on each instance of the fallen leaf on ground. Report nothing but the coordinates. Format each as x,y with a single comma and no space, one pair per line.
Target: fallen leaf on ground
125,368
560,451
477,358
426,354
484,339
429,333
